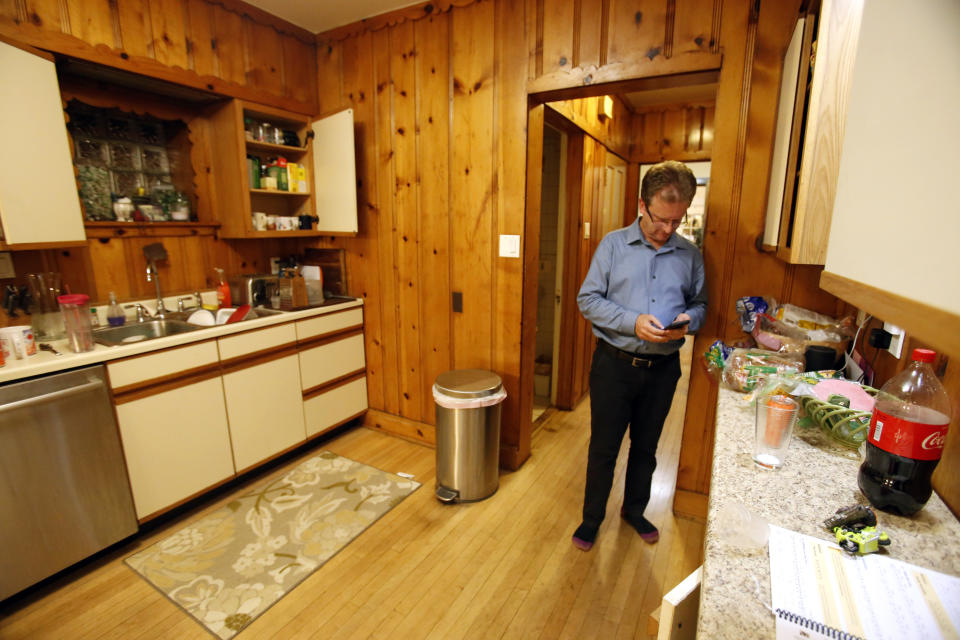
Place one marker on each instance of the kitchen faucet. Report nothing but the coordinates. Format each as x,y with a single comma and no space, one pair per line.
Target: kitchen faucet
153,273
154,252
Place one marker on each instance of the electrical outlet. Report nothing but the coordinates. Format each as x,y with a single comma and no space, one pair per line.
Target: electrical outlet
861,317
896,343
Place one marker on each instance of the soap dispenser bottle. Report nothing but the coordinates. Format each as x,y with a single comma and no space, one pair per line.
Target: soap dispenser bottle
115,315
223,290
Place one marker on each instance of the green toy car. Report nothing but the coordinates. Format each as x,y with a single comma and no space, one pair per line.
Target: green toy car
861,540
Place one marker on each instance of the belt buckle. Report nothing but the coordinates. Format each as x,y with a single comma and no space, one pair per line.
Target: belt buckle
641,362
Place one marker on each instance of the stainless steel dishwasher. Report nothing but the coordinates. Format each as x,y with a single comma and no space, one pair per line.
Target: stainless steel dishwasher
64,493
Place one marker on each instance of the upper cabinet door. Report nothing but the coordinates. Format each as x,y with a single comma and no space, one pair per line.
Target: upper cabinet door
335,173
39,204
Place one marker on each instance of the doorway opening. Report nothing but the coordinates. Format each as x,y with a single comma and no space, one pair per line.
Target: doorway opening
591,158
550,269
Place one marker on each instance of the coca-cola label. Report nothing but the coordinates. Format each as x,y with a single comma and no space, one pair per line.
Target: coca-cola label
908,439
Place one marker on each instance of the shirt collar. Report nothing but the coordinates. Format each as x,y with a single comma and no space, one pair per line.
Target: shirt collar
634,235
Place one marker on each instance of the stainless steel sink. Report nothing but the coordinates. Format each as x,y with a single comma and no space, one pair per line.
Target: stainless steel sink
140,331
253,314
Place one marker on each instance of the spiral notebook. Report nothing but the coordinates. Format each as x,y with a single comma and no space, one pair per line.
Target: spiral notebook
820,591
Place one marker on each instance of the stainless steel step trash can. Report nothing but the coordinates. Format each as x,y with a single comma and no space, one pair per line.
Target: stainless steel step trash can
468,434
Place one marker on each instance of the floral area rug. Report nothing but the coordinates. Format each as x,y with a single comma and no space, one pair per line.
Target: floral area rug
230,566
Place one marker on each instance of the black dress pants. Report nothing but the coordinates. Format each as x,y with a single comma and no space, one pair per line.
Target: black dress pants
622,394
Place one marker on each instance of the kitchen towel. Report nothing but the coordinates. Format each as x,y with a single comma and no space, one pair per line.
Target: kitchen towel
230,566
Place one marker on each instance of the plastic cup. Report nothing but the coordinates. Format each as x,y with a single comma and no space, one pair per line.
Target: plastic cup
775,418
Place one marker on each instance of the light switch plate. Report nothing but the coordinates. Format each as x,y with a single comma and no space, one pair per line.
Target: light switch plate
509,246
586,230
6,266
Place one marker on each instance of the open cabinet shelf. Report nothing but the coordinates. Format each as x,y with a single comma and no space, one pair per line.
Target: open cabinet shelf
329,195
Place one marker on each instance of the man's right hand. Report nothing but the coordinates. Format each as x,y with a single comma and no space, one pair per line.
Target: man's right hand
649,328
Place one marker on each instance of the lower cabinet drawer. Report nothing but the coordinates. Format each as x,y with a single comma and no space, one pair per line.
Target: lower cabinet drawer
329,361
334,406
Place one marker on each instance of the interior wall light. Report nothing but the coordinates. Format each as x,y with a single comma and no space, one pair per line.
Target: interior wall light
606,107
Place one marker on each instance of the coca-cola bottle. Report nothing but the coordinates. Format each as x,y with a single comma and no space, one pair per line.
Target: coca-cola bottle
905,441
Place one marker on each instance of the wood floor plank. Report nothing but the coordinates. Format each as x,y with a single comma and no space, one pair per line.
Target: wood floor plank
499,568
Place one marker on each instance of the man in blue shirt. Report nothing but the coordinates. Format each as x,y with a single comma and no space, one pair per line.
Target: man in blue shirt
642,278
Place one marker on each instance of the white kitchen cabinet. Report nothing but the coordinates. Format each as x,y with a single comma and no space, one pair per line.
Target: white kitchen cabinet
810,130
332,369
893,243
261,382
39,204
173,427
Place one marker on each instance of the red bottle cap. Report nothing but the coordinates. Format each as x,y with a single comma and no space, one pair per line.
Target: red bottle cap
924,355
74,298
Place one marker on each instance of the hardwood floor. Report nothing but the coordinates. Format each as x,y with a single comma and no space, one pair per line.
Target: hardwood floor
500,568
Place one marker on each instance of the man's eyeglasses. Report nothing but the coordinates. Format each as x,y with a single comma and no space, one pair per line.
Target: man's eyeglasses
666,222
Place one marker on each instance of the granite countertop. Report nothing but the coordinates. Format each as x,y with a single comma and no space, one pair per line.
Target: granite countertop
817,478
45,362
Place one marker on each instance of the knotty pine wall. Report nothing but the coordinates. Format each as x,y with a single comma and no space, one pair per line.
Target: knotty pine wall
225,46
441,94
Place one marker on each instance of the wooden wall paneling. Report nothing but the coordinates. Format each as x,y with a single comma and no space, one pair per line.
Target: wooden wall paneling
432,36
333,74
91,21
693,26
731,203
168,18
558,30
76,269
591,34
405,196
472,183
299,70
536,117
389,336
136,32
631,196
264,57
636,24
653,133
568,387
592,156
709,123
674,133
46,13
511,117
200,38
363,262
230,45
107,263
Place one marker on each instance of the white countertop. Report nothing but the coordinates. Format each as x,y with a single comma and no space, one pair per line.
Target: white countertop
45,362
818,478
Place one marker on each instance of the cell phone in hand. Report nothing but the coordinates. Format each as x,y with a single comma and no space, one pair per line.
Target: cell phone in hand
676,325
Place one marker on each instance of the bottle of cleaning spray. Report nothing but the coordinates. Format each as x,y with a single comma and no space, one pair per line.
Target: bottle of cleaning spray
223,290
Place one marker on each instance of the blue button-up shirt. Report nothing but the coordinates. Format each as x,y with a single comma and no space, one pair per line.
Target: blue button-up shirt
628,277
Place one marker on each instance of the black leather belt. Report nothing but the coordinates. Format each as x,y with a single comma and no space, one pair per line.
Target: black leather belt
646,360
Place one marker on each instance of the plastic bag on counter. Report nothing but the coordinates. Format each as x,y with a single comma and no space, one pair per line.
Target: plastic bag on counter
811,320
715,357
744,369
749,306
781,337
